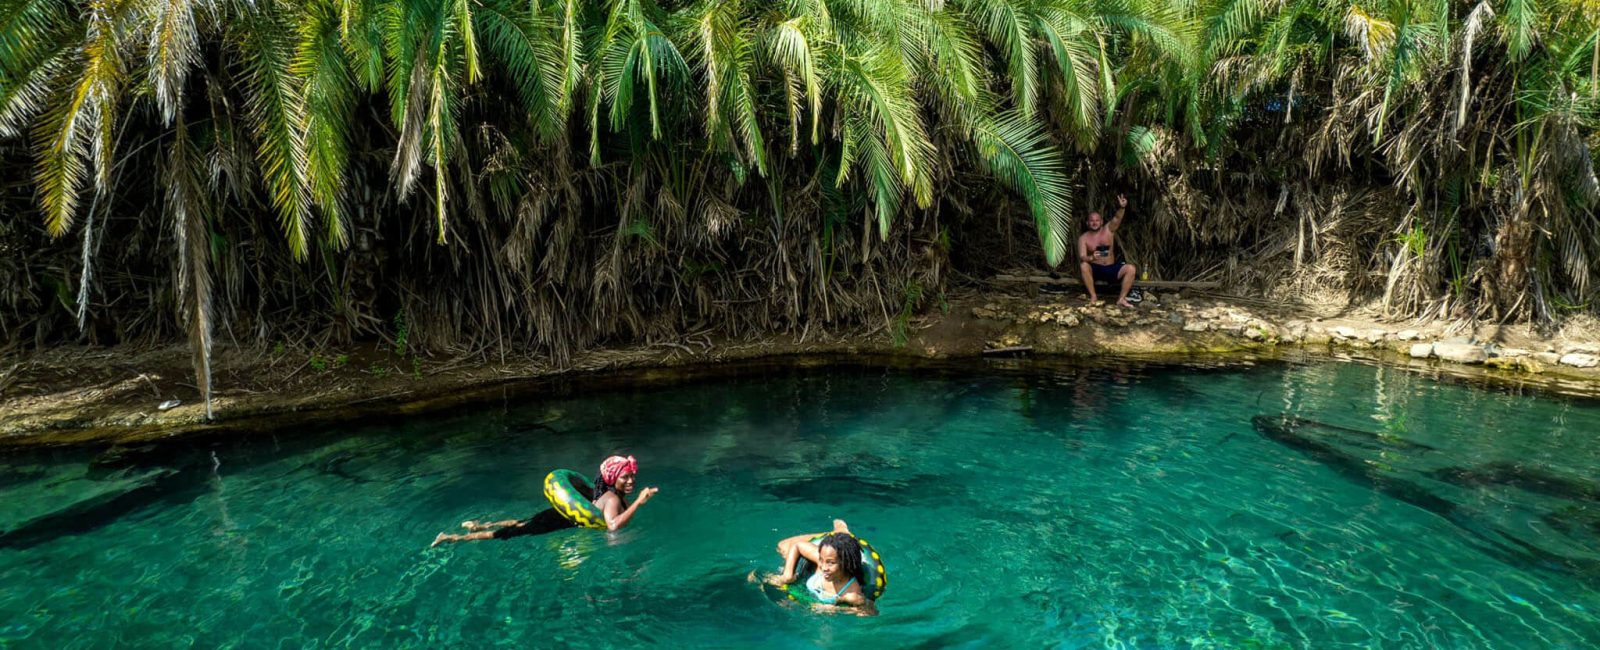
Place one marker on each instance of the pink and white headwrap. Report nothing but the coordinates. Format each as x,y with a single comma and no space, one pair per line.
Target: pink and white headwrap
615,466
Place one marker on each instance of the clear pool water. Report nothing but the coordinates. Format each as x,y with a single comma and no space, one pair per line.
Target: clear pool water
1305,506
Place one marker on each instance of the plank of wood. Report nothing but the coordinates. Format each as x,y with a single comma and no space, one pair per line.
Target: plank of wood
1012,351
1153,284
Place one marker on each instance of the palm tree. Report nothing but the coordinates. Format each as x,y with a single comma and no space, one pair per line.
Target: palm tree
580,166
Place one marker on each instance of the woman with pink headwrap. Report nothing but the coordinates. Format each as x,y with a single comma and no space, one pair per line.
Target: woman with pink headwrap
613,484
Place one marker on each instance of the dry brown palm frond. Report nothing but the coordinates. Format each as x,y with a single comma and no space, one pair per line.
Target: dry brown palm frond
188,208
1477,19
1373,36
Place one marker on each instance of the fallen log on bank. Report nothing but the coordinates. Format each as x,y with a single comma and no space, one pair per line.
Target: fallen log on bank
1153,284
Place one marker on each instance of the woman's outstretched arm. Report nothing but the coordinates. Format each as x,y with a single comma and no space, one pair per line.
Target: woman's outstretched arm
617,518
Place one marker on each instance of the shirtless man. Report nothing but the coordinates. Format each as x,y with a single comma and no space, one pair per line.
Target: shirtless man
1097,254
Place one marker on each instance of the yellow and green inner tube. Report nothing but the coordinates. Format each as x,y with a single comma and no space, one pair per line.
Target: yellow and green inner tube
871,565
567,492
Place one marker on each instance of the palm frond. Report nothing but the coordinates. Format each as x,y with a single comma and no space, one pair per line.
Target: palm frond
1010,29
1375,36
882,182
877,87
32,31
1227,27
174,48
532,59
724,56
188,207
322,62
1476,20
469,41
1018,153
78,122
1077,61
790,48
1519,25
276,110
951,63
26,95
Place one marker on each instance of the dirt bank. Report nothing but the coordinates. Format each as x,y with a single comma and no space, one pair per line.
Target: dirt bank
81,395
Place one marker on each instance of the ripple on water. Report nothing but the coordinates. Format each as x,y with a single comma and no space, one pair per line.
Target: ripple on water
1108,507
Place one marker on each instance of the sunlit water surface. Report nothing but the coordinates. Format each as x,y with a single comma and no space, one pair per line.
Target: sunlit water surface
1312,506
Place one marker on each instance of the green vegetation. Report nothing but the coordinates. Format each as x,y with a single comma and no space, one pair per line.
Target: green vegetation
553,173
320,363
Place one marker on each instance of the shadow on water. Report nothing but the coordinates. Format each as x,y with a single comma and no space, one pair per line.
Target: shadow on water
1527,479
156,475
837,486
1397,468
21,477
338,467
167,486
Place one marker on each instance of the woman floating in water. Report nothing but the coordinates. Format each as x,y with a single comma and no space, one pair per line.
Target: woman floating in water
840,581
612,486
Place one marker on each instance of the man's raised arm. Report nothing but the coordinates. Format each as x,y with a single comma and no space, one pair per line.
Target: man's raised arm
1116,221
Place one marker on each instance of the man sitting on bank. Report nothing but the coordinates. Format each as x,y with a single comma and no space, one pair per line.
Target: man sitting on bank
1097,254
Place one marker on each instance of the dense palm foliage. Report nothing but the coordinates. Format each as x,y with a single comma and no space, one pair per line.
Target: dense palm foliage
553,172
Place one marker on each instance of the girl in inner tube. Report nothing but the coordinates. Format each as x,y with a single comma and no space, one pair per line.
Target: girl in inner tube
836,585
613,484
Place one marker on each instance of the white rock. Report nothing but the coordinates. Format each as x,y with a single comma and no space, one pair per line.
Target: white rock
1580,360
1343,332
1407,335
1373,336
1460,352
1196,326
1547,358
1421,350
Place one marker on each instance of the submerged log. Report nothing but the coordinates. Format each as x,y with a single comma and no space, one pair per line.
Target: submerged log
165,486
1380,462
1527,479
1153,284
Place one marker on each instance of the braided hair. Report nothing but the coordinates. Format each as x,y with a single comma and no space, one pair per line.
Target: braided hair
602,487
849,551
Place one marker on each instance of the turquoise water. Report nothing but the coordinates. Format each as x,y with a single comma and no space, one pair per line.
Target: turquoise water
1137,507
